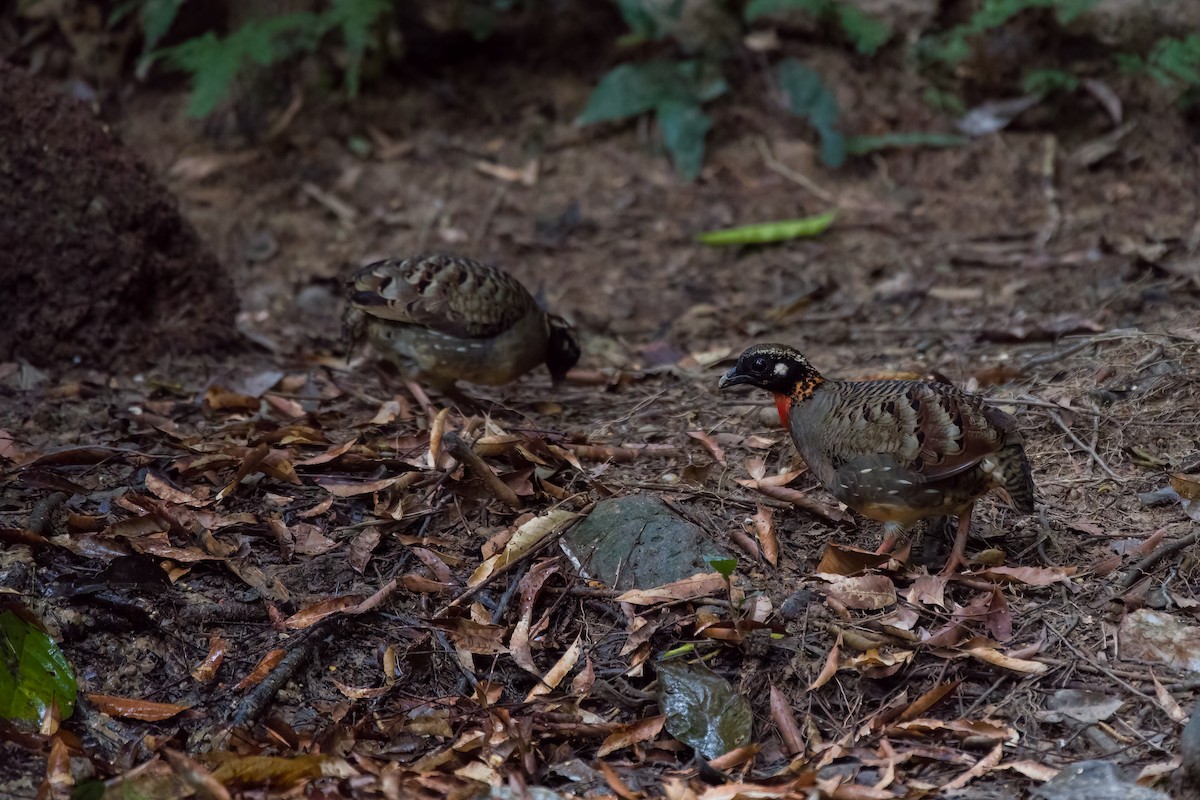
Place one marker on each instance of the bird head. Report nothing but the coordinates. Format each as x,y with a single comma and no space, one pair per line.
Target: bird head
774,367
562,351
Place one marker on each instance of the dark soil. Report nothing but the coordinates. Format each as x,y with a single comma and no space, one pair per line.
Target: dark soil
96,263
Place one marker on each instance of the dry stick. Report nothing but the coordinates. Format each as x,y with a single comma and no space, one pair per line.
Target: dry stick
256,701
39,516
460,450
783,169
1057,355
1140,568
1091,451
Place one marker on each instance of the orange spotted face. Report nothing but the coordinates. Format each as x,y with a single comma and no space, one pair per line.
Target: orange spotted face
779,369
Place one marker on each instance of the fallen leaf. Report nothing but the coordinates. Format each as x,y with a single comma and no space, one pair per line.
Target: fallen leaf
131,708
704,585
710,444
864,592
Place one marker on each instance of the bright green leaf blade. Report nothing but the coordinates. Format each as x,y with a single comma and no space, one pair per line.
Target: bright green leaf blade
157,18
723,565
34,673
702,709
684,127
767,232
860,145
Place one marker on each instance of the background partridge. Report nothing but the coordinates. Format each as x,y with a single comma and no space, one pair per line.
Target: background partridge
443,319
896,451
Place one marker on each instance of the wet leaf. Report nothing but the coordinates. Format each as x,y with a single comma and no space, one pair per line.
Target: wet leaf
36,680
702,709
206,670
261,669
318,611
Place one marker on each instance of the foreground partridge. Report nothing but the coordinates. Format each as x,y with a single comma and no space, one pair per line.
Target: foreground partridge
443,319
894,451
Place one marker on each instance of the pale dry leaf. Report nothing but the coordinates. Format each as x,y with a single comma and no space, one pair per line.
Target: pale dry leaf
704,585
863,592
523,540
555,675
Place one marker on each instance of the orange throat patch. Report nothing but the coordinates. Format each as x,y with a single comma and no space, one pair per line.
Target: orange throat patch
800,392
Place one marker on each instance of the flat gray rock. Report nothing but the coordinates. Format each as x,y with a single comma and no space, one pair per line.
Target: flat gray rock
638,542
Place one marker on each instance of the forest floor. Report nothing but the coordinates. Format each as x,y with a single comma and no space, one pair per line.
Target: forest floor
283,488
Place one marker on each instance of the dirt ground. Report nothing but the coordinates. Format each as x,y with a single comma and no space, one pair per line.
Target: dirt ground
1070,294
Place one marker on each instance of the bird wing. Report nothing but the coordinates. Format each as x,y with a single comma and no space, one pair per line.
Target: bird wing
931,431
450,295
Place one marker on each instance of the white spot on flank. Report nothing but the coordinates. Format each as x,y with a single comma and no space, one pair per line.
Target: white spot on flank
932,491
894,491
903,482
865,471
781,369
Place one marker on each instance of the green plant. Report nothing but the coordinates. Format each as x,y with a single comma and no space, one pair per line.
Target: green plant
214,62
675,91
954,46
1046,81
1171,61
806,96
866,33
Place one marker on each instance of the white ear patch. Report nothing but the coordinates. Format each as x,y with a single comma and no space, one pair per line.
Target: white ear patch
781,369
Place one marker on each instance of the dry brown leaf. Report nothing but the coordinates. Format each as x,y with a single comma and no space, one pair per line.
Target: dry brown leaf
555,675
928,590
310,541
340,488
1032,769
423,585
703,585
473,637
715,450
802,500
840,560
164,490
131,708
195,776
862,592
523,540
764,530
785,722
206,670
332,454
318,611
830,667
361,548
261,669
981,768
1167,702
1030,576
994,657
628,735
928,700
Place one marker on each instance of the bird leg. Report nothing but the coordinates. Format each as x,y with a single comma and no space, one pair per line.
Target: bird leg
958,555
893,534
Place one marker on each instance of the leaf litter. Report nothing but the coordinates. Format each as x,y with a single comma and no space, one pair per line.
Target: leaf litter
327,624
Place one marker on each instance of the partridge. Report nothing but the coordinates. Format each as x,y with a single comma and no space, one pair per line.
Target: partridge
443,319
896,451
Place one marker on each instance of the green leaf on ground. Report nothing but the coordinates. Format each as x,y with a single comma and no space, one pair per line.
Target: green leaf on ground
767,232
632,89
703,711
861,145
684,127
34,673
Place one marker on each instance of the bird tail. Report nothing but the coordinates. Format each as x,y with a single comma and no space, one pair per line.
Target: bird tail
1015,477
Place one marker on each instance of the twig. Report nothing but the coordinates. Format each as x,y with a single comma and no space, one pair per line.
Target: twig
1057,355
39,517
1053,212
1083,446
460,450
254,703
1141,567
774,165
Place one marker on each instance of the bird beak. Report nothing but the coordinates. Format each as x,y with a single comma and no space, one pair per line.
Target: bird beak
732,378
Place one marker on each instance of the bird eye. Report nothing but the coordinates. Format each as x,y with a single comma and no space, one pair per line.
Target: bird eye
760,365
